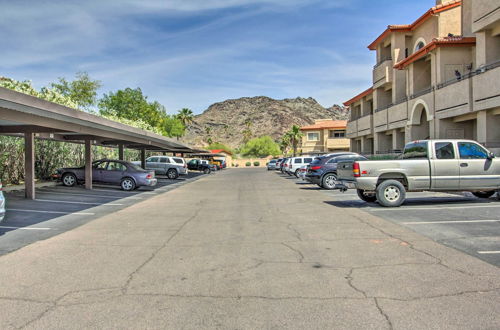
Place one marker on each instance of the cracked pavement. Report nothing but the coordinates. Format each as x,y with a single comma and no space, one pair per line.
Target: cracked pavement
245,249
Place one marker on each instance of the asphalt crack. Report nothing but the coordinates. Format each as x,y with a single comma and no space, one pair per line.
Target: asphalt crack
300,255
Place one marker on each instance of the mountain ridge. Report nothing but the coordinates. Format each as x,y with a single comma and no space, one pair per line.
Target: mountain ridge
226,121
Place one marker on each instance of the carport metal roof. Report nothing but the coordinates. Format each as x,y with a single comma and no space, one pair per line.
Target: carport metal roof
22,113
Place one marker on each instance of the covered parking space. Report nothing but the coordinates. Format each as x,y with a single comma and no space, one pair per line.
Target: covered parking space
33,118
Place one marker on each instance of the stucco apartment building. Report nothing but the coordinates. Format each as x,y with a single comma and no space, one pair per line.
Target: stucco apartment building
438,77
325,135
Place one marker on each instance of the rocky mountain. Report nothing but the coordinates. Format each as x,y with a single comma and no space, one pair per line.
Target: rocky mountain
226,121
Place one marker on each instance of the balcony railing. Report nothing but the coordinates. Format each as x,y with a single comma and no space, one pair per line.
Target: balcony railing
387,58
422,92
385,107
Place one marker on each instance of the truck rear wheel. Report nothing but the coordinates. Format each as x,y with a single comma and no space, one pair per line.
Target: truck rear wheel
391,193
206,171
483,194
367,197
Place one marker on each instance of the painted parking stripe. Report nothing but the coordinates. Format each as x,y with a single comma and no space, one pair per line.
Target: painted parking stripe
50,212
80,203
127,192
447,222
24,228
434,208
85,195
488,252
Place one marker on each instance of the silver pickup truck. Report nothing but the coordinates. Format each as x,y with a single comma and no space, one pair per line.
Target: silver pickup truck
427,165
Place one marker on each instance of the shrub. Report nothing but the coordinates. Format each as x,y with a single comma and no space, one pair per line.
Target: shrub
248,164
256,163
237,165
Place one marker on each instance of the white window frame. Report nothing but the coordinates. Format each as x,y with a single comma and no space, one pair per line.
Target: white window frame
315,140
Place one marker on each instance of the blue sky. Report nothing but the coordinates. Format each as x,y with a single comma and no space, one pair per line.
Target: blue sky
192,53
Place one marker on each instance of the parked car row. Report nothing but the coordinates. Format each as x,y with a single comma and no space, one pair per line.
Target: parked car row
427,165
130,175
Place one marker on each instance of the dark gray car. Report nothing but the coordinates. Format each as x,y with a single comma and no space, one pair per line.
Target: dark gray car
116,172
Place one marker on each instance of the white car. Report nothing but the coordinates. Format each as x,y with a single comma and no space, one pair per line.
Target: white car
296,163
2,204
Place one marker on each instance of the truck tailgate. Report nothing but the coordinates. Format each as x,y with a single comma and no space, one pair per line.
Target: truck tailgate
344,171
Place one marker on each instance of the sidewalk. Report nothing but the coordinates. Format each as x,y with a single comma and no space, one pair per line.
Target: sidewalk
246,250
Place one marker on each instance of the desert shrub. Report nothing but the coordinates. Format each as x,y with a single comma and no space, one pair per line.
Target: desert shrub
256,163
248,164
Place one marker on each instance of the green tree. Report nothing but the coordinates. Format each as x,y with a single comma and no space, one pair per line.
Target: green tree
173,126
186,116
82,90
294,135
284,143
131,104
260,147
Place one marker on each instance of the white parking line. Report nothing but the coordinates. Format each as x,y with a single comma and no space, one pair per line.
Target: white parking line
447,222
82,203
84,195
50,212
434,208
127,192
488,252
24,228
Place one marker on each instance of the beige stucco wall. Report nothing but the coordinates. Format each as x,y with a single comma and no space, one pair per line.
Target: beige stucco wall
484,13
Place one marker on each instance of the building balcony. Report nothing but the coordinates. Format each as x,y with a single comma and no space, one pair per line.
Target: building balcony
382,73
486,91
452,97
338,143
359,127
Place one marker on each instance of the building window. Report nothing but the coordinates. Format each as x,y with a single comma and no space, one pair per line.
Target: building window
313,136
337,134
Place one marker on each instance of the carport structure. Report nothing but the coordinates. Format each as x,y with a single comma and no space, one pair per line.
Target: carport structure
31,117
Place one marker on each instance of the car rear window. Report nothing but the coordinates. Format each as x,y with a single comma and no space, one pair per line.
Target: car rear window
164,160
415,150
135,167
316,160
307,160
298,161
178,160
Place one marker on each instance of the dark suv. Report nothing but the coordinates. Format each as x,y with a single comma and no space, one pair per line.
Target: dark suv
323,170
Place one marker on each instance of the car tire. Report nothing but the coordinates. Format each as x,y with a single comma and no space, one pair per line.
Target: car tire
483,194
391,193
328,181
172,174
367,197
128,184
297,171
206,171
69,180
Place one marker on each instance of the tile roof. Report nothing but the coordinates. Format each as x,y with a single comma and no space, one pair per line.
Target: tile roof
359,97
435,43
218,151
326,124
410,27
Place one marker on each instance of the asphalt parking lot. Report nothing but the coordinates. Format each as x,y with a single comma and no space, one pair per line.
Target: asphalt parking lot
58,209
460,221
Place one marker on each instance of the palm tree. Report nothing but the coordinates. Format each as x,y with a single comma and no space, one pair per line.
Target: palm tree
185,115
284,143
247,133
295,135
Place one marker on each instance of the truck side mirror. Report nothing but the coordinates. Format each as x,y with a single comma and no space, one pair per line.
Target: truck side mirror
491,155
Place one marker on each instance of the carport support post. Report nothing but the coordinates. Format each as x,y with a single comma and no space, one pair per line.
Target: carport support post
88,164
143,158
29,165
120,152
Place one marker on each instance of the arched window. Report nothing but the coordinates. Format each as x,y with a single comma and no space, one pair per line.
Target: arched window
419,45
